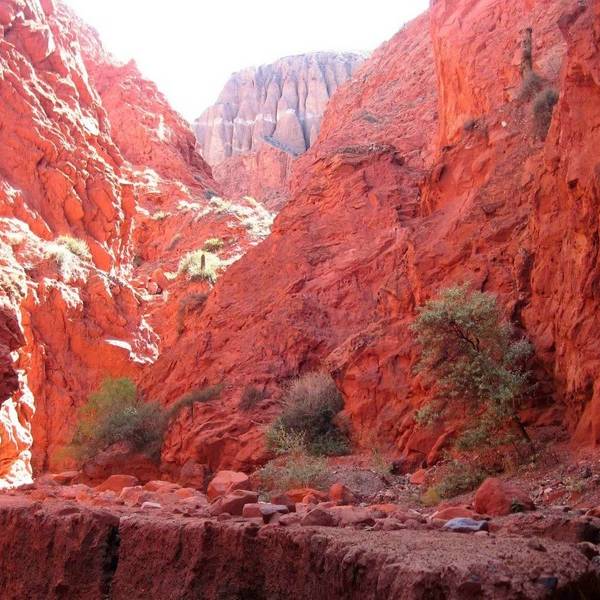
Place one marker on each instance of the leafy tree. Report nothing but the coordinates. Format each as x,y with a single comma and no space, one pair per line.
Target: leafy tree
117,413
472,357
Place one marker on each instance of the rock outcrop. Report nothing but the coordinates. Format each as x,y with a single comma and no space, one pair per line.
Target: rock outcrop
280,104
56,550
91,151
266,116
429,170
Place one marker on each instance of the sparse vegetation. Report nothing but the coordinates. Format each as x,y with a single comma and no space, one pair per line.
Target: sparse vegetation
543,107
311,404
75,246
471,358
116,412
459,478
197,396
160,215
251,397
199,266
531,85
213,245
297,469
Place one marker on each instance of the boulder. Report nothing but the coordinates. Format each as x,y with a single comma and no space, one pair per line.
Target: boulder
299,494
66,477
116,483
193,474
462,525
497,497
354,515
157,485
339,493
319,517
225,482
233,503
263,510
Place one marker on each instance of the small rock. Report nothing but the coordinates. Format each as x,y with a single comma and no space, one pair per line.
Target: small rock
454,512
418,477
116,483
225,482
339,493
588,549
318,517
298,494
462,525
150,505
536,545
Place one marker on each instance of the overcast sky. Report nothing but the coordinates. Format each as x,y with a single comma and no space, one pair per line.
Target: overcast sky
190,47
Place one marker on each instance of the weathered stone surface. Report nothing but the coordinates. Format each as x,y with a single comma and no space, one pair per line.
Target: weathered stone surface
53,551
280,104
497,497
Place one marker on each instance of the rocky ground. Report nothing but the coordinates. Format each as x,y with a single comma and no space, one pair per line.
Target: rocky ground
536,535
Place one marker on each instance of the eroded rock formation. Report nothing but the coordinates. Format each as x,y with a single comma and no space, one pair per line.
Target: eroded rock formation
428,170
90,150
280,104
264,117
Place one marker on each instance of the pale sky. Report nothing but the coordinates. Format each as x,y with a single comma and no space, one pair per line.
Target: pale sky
191,47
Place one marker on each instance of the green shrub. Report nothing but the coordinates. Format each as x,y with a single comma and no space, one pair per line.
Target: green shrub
543,107
199,265
75,246
471,358
311,404
213,244
295,470
117,413
459,478
251,397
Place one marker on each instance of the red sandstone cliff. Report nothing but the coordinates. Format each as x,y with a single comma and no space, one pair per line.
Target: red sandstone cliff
427,171
90,150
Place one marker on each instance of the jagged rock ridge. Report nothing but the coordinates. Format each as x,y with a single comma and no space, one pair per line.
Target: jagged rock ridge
280,104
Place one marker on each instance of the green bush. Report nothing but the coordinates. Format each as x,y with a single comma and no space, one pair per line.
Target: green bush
470,356
296,470
311,404
117,413
459,478
199,265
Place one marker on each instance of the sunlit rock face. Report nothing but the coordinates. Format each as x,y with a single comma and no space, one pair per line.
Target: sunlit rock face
281,104
428,171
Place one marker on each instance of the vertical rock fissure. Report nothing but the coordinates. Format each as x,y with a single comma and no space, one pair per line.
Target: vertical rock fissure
110,561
